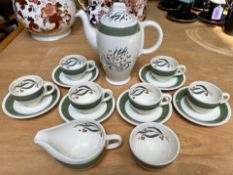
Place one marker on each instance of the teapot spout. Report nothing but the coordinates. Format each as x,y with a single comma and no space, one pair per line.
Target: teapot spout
90,32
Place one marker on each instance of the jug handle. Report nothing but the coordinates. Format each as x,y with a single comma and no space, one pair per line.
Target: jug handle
157,43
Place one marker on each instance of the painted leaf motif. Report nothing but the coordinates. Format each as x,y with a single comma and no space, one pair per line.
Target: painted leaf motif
26,84
151,132
71,62
117,16
139,90
88,126
200,89
162,62
82,90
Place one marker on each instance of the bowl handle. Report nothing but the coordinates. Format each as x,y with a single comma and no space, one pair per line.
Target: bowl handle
116,139
157,43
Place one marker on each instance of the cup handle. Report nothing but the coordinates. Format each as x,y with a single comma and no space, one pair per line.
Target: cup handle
180,70
48,88
166,99
157,43
225,97
107,95
113,138
90,66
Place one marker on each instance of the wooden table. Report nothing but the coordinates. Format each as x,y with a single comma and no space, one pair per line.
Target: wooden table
205,50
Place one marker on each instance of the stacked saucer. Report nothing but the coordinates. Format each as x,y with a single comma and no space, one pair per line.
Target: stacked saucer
87,100
144,102
74,69
163,72
203,103
29,96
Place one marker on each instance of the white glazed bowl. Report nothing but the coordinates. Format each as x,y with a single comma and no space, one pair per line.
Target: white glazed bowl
154,145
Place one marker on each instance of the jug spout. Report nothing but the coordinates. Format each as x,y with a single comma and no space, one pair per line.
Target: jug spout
90,32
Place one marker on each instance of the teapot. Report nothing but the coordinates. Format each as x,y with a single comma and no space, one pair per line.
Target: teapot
46,20
119,40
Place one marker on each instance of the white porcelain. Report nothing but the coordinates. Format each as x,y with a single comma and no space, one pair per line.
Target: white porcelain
169,85
68,112
204,96
88,96
119,40
46,20
154,145
145,97
77,143
75,67
60,79
166,65
215,117
17,110
29,90
160,114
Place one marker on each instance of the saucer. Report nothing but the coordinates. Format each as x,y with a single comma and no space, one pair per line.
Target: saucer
218,116
16,110
171,84
166,6
159,114
203,16
174,16
60,79
69,113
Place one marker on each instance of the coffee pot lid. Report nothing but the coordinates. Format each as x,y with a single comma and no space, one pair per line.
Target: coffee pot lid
118,17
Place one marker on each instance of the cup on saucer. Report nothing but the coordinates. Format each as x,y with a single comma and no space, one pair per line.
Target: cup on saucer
163,68
74,67
144,97
30,89
204,96
86,97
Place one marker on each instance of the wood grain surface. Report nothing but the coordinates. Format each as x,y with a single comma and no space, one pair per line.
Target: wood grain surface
204,49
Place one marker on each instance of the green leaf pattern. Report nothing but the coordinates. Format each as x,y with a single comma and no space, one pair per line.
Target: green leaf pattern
137,91
81,91
151,132
25,85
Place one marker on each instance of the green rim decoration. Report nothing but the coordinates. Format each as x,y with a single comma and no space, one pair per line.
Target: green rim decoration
29,97
112,31
9,110
162,73
145,69
73,72
57,72
64,110
121,107
224,116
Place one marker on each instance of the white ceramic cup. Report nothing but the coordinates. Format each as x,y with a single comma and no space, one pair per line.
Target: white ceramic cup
87,96
75,67
204,96
164,68
144,97
30,89
154,145
79,143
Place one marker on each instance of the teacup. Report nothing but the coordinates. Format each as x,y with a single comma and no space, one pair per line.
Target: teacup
87,97
77,144
30,89
75,67
164,68
145,97
154,145
204,96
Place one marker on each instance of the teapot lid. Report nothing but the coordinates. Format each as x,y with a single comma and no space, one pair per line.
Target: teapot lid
119,17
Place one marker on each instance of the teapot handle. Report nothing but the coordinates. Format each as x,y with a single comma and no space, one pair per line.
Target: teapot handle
157,44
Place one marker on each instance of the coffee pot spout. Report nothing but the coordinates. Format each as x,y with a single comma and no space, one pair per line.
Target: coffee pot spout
90,32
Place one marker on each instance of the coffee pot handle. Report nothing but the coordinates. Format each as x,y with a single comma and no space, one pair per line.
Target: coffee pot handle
116,139
157,43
